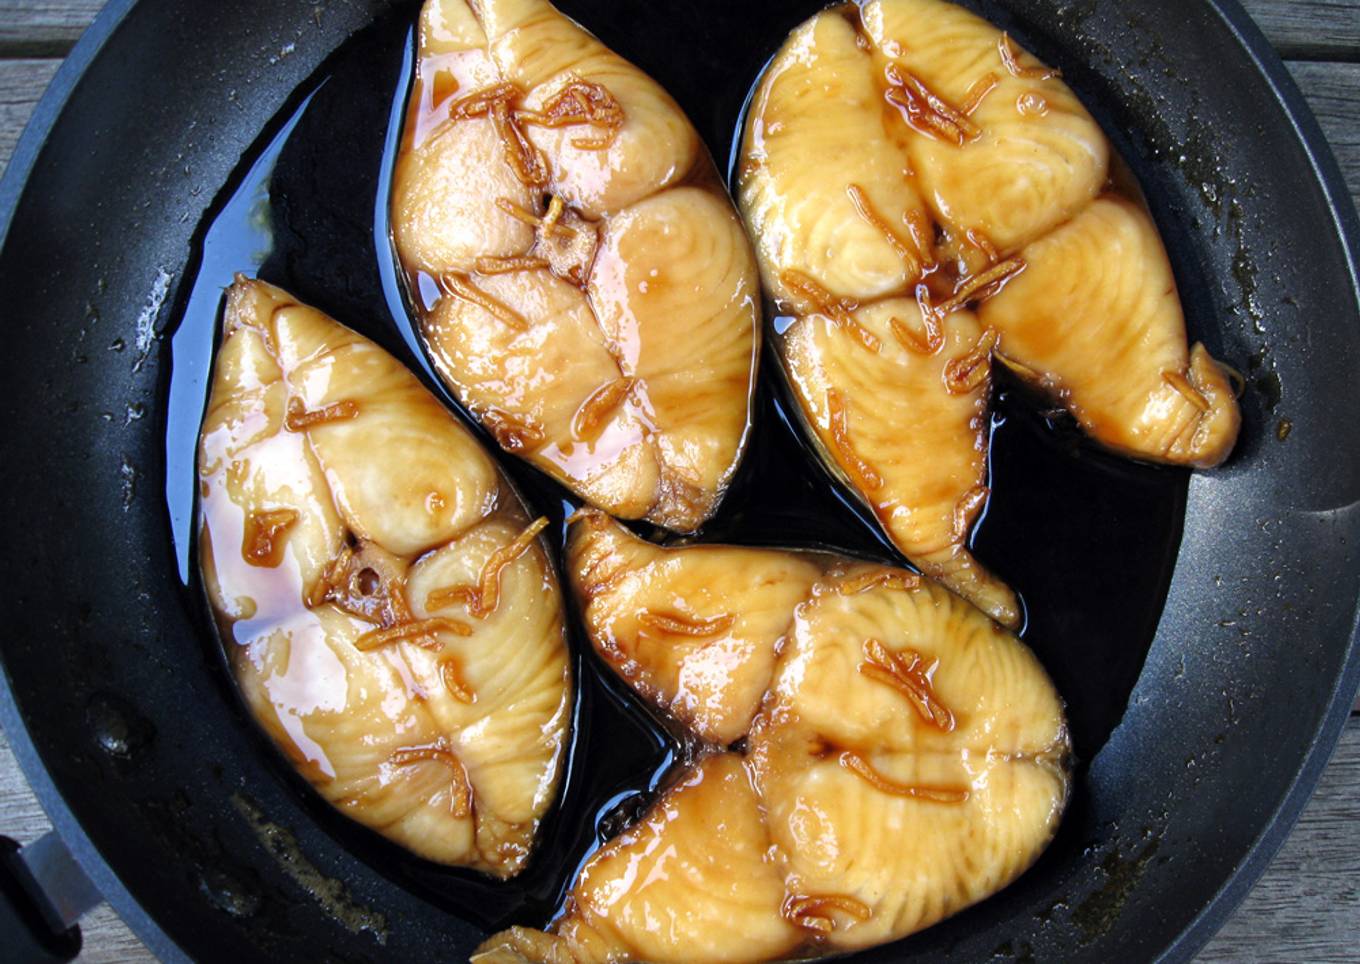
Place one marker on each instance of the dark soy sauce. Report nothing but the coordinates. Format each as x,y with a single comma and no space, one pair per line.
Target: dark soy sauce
1088,540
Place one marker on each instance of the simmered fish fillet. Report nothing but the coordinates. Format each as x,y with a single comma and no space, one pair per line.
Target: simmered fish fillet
587,289
890,370
909,759
905,422
1094,319
543,52
692,630
690,881
825,185
388,610
904,715
999,144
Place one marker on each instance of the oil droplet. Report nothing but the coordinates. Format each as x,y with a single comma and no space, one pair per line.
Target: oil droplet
117,728
229,895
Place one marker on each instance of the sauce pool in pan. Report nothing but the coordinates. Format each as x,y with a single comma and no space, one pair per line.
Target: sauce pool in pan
1087,539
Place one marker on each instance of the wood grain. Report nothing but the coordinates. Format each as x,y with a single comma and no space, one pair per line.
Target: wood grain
1299,29
1306,907
106,939
21,84
1333,91
43,28
1309,29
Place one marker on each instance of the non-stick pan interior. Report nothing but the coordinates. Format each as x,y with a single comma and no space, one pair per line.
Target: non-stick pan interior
119,685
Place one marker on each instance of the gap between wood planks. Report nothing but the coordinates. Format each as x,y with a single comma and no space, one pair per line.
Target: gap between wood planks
1298,29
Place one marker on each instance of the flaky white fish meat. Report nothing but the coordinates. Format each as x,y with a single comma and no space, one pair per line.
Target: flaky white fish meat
388,608
585,285
906,758
925,196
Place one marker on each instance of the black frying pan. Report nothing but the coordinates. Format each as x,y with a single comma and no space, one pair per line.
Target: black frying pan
1201,628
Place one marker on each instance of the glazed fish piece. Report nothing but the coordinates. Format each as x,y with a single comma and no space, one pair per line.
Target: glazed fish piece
585,286
897,402
843,239
691,630
909,758
891,372
825,184
1001,148
690,881
641,142
1094,320
389,612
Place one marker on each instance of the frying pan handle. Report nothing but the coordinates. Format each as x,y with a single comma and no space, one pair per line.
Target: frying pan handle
43,892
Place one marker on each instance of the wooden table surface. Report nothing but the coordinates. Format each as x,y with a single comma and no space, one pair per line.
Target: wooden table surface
1306,907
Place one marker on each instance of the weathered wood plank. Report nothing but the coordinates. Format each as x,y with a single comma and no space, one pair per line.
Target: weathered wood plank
22,82
1307,906
106,939
1333,91
43,28
1301,29
1310,29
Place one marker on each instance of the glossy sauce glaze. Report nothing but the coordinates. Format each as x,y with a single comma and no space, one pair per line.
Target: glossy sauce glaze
1086,539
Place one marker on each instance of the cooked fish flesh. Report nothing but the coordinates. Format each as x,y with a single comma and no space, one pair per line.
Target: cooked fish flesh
906,426
925,196
692,630
909,758
825,184
1000,146
388,609
1095,321
690,881
585,286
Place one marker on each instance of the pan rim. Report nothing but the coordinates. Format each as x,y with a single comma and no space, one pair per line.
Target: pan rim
63,819
1275,828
